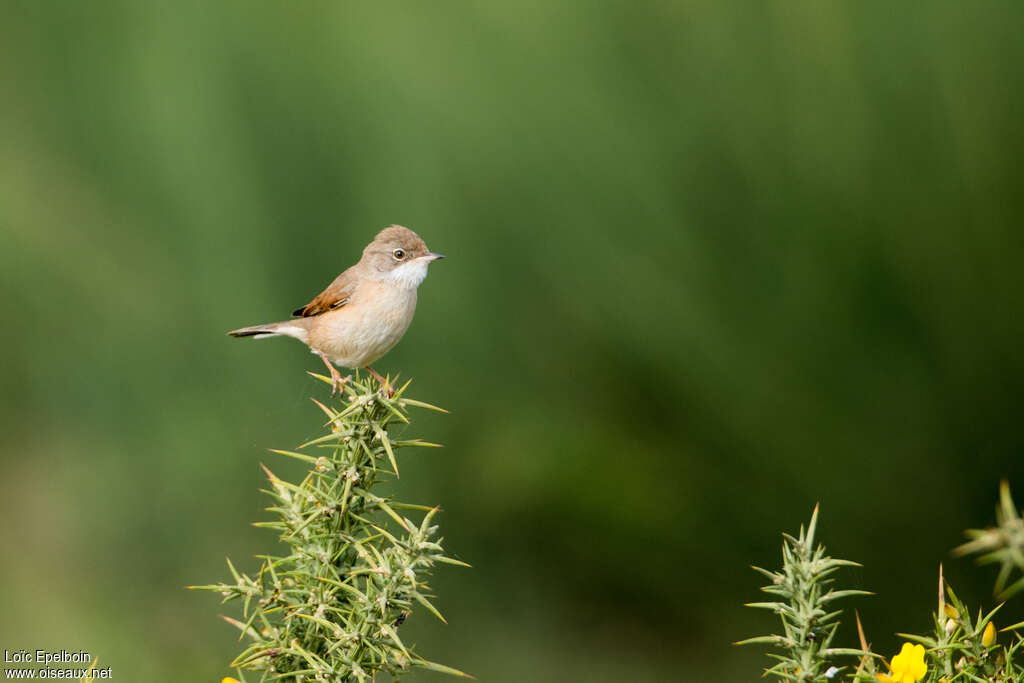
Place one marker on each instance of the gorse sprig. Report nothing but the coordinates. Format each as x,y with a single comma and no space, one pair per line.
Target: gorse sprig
331,607
805,607
1002,544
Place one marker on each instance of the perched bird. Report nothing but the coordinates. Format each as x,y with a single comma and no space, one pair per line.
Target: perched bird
365,311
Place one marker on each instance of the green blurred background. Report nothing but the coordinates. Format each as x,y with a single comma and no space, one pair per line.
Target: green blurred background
709,263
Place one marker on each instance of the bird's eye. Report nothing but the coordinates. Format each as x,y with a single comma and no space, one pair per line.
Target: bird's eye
399,254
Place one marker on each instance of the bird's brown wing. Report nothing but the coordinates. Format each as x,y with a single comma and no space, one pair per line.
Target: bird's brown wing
335,296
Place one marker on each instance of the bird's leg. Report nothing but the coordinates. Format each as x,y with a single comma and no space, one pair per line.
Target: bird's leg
383,382
337,381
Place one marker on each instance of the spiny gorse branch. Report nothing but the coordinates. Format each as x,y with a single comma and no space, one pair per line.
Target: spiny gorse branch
1002,544
331,607
805,607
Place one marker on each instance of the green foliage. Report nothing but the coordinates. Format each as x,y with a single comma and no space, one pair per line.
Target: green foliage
809,623
330,609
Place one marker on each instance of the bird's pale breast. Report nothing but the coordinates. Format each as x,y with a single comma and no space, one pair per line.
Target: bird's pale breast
369,326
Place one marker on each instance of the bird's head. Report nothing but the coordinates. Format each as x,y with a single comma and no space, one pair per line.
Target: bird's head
400,255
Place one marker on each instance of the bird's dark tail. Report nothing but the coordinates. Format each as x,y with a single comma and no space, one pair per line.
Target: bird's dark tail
288,328
254,331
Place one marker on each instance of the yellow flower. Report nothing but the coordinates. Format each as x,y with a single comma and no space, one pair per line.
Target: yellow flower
988,638
906,667
228,679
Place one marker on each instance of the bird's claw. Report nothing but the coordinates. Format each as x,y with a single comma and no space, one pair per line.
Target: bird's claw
337,381
385,386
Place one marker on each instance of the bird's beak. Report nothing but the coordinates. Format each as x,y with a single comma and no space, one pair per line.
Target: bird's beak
431,256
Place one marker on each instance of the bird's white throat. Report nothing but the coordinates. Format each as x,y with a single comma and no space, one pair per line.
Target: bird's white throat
409,275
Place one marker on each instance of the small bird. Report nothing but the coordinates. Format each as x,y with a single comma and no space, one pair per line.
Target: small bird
365,311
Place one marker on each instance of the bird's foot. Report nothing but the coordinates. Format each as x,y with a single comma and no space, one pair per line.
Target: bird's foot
385,386
337,381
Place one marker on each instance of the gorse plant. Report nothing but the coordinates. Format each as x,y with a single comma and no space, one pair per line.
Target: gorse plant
331,607
961,648
809,623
